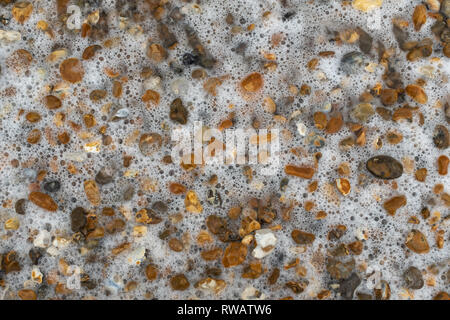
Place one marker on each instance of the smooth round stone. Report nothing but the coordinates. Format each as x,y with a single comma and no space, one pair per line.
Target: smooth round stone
384,167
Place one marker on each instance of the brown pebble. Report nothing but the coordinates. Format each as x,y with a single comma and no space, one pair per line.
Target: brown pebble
253,82
442,296
71,70
416,93
421,174
179,282
234,255
388,97
443,162
43,201
52,102
393,204
441,137
27,294
384,167
178,112
175,245
417,242
301,237
301,172
151,272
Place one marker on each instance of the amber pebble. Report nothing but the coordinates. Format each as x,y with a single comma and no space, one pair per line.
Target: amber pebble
151,96
34,136
253,270
443,162
274,276
416,93
33,116
211,255
442,296
175,245
302,172
394,137
393,204
43,201
320,120
343,186
446,50
179,282
403,113
117,89
384,113
71,70
301,237
388,97
21,11
151,272
97,95
156,52
27,294
417,242
253,82
215,224
90,51
234,212
421,174
334,125
178,112
92,192
234,255
64,137
52,102
356,247
419,16
89,120
177,188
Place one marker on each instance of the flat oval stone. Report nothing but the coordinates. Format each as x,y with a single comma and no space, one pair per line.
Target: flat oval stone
413,278
384,167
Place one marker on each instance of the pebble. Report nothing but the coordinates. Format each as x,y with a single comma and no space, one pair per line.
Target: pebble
179,282
235,254
413,278
71,70
441,137
78,219
417,242
445,8
348,286
352,62
393,204
43,201
253,82
301,237
340,269
384,167
52,186
104,176
178,112
19,206
265,243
